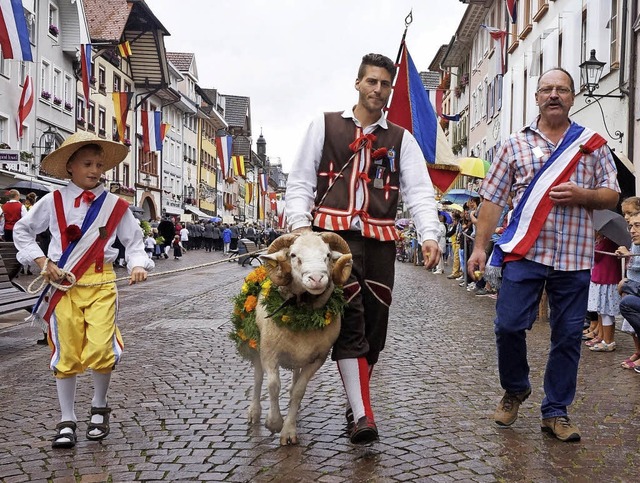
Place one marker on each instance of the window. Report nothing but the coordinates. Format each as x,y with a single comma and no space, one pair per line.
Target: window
54,23
23,142
57,84
80,110
127,87
67,89
24,71
116,82
102,121
4,65
125,175
4,134
114,130
44,79
91,117
613,26
102,79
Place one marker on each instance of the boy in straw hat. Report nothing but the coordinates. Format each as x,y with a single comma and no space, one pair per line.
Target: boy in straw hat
84,220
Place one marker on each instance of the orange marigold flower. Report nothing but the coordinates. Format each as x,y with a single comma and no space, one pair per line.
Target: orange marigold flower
242,335
327,318
253,344
250,303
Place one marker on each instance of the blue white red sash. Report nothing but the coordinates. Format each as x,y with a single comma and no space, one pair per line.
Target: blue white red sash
101,221
532,211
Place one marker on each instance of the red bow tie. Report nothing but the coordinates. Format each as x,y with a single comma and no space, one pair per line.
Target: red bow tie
86,196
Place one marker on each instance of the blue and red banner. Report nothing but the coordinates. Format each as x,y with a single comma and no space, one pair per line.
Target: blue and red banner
224,147
14,34
410,108
85,64
512,8
153,130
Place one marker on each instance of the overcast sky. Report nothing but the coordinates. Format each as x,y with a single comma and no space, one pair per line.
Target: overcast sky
298,58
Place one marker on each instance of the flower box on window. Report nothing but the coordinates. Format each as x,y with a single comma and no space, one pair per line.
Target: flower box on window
91,126
80,121
92,80
102,88
57,101
102,132
127,142
54,30
68,106
45,95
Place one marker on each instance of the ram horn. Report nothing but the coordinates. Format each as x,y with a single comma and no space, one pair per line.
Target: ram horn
283,241
335,242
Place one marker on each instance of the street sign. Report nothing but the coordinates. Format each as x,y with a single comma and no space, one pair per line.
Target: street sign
10,159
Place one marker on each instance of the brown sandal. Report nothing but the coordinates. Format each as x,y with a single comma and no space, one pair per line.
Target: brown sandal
64,440
102,427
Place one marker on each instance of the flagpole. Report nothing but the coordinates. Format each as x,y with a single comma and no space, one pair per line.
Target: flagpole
407,21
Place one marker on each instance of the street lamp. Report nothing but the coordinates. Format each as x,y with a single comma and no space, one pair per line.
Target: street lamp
590,73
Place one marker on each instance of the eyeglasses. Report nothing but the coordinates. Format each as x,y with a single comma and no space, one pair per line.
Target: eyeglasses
633,226
562,91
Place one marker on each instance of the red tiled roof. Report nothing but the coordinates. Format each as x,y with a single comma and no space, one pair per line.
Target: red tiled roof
106,19
182,60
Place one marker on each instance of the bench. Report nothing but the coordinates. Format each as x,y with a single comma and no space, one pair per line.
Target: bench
12,296
246,246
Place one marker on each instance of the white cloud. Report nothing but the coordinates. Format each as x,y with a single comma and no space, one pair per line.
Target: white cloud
296,59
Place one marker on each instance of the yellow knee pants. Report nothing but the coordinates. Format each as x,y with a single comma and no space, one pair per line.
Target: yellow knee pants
82,330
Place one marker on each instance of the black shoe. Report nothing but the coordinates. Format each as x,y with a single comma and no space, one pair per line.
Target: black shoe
42,341
364,432
350,422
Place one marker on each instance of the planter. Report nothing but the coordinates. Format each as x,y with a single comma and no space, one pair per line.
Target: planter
80,122
102,132
127,142
68,106
54,30
45,95
57,101
91,126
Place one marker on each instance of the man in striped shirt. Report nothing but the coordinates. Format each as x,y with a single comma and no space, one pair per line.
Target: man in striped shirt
548,245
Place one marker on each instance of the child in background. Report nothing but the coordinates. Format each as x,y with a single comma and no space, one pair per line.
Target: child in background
631,207
149,245
177,247
603,293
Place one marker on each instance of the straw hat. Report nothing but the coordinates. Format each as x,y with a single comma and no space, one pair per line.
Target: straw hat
55,163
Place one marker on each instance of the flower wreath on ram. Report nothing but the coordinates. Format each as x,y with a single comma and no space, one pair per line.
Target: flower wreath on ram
293,317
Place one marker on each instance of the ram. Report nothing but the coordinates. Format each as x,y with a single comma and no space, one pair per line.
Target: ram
299,324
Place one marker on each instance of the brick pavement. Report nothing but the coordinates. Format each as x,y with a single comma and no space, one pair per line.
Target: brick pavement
181,394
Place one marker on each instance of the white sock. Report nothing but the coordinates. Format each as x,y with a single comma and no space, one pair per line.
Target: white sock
100,388
66,397
354,373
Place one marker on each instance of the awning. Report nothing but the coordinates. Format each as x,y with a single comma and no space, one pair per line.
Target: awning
196,211
171,210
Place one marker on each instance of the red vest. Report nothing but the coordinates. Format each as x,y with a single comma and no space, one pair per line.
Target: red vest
12,213
380,178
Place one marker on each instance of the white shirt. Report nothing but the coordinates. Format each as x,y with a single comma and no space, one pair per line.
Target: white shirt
43,216
184,234
415,184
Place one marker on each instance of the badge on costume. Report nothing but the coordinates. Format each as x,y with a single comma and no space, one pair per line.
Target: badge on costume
103,232
377,182
391,154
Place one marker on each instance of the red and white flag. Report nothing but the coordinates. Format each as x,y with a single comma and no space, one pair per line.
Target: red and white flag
26,103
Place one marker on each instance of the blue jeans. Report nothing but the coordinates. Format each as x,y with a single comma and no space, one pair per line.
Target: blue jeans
630,310
522,284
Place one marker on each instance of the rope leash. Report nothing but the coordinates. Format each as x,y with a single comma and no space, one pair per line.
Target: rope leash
70,277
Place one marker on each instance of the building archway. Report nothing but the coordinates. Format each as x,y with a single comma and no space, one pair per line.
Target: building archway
148,204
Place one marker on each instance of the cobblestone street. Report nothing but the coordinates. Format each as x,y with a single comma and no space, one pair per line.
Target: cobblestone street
180,398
